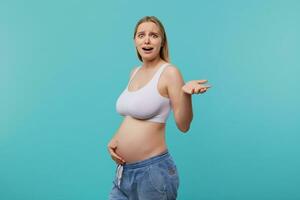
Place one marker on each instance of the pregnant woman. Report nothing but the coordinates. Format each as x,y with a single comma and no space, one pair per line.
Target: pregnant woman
145,169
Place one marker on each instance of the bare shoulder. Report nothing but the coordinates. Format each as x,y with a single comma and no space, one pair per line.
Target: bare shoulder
172,73
132,71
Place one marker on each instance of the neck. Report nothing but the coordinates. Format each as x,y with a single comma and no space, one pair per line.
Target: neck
152,63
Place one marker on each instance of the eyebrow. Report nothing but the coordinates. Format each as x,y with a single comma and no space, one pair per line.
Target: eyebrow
150,32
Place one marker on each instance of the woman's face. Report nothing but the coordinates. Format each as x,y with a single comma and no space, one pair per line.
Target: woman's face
148,40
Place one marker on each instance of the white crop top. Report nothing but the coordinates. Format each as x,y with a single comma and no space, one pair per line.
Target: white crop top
145,103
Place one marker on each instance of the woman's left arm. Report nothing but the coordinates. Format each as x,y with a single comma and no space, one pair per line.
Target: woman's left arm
180,94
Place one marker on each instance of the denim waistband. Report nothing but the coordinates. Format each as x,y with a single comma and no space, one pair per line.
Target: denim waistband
148,161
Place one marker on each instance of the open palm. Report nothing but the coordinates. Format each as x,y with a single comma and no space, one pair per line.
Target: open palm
195,87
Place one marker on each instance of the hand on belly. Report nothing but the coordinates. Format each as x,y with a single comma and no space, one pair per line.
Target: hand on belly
138,140
112,148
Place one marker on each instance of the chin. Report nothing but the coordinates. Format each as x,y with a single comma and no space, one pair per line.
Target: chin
149,57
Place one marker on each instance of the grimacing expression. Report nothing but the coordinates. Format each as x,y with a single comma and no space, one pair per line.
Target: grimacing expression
148,40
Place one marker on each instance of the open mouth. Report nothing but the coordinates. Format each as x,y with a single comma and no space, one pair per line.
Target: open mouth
147,49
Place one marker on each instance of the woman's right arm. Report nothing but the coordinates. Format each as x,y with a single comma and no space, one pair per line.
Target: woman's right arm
113,144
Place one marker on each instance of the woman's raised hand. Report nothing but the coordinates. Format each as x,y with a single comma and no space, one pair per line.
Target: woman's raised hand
195,87
112,146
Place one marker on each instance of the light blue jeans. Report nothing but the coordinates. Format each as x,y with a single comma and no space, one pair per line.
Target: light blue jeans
155,178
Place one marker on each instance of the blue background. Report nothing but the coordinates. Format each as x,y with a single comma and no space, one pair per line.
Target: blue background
64,63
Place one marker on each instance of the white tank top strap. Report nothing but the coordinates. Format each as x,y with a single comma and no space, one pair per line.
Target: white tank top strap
158,73
146,103
135,71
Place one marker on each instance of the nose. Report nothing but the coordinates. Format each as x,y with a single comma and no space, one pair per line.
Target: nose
147,39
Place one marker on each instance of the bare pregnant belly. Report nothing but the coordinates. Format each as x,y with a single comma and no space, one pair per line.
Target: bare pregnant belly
139,140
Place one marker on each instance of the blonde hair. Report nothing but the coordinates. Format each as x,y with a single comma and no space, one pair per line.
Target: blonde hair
164,51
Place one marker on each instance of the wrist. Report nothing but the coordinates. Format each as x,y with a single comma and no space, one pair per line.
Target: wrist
184,93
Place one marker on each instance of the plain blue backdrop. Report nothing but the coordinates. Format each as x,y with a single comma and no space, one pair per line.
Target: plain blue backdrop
63,64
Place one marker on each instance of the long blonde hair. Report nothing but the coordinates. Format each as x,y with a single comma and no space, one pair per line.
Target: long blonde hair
164,51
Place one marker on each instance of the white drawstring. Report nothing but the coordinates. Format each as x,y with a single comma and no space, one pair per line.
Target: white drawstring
119,174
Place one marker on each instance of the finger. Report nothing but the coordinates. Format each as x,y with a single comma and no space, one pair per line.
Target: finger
121,162
197,90
205,86
201,89
118,161
201,81
192,90
116,155
111,146
118,158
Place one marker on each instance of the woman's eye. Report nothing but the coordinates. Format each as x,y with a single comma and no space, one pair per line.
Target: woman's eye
154,36
140,36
